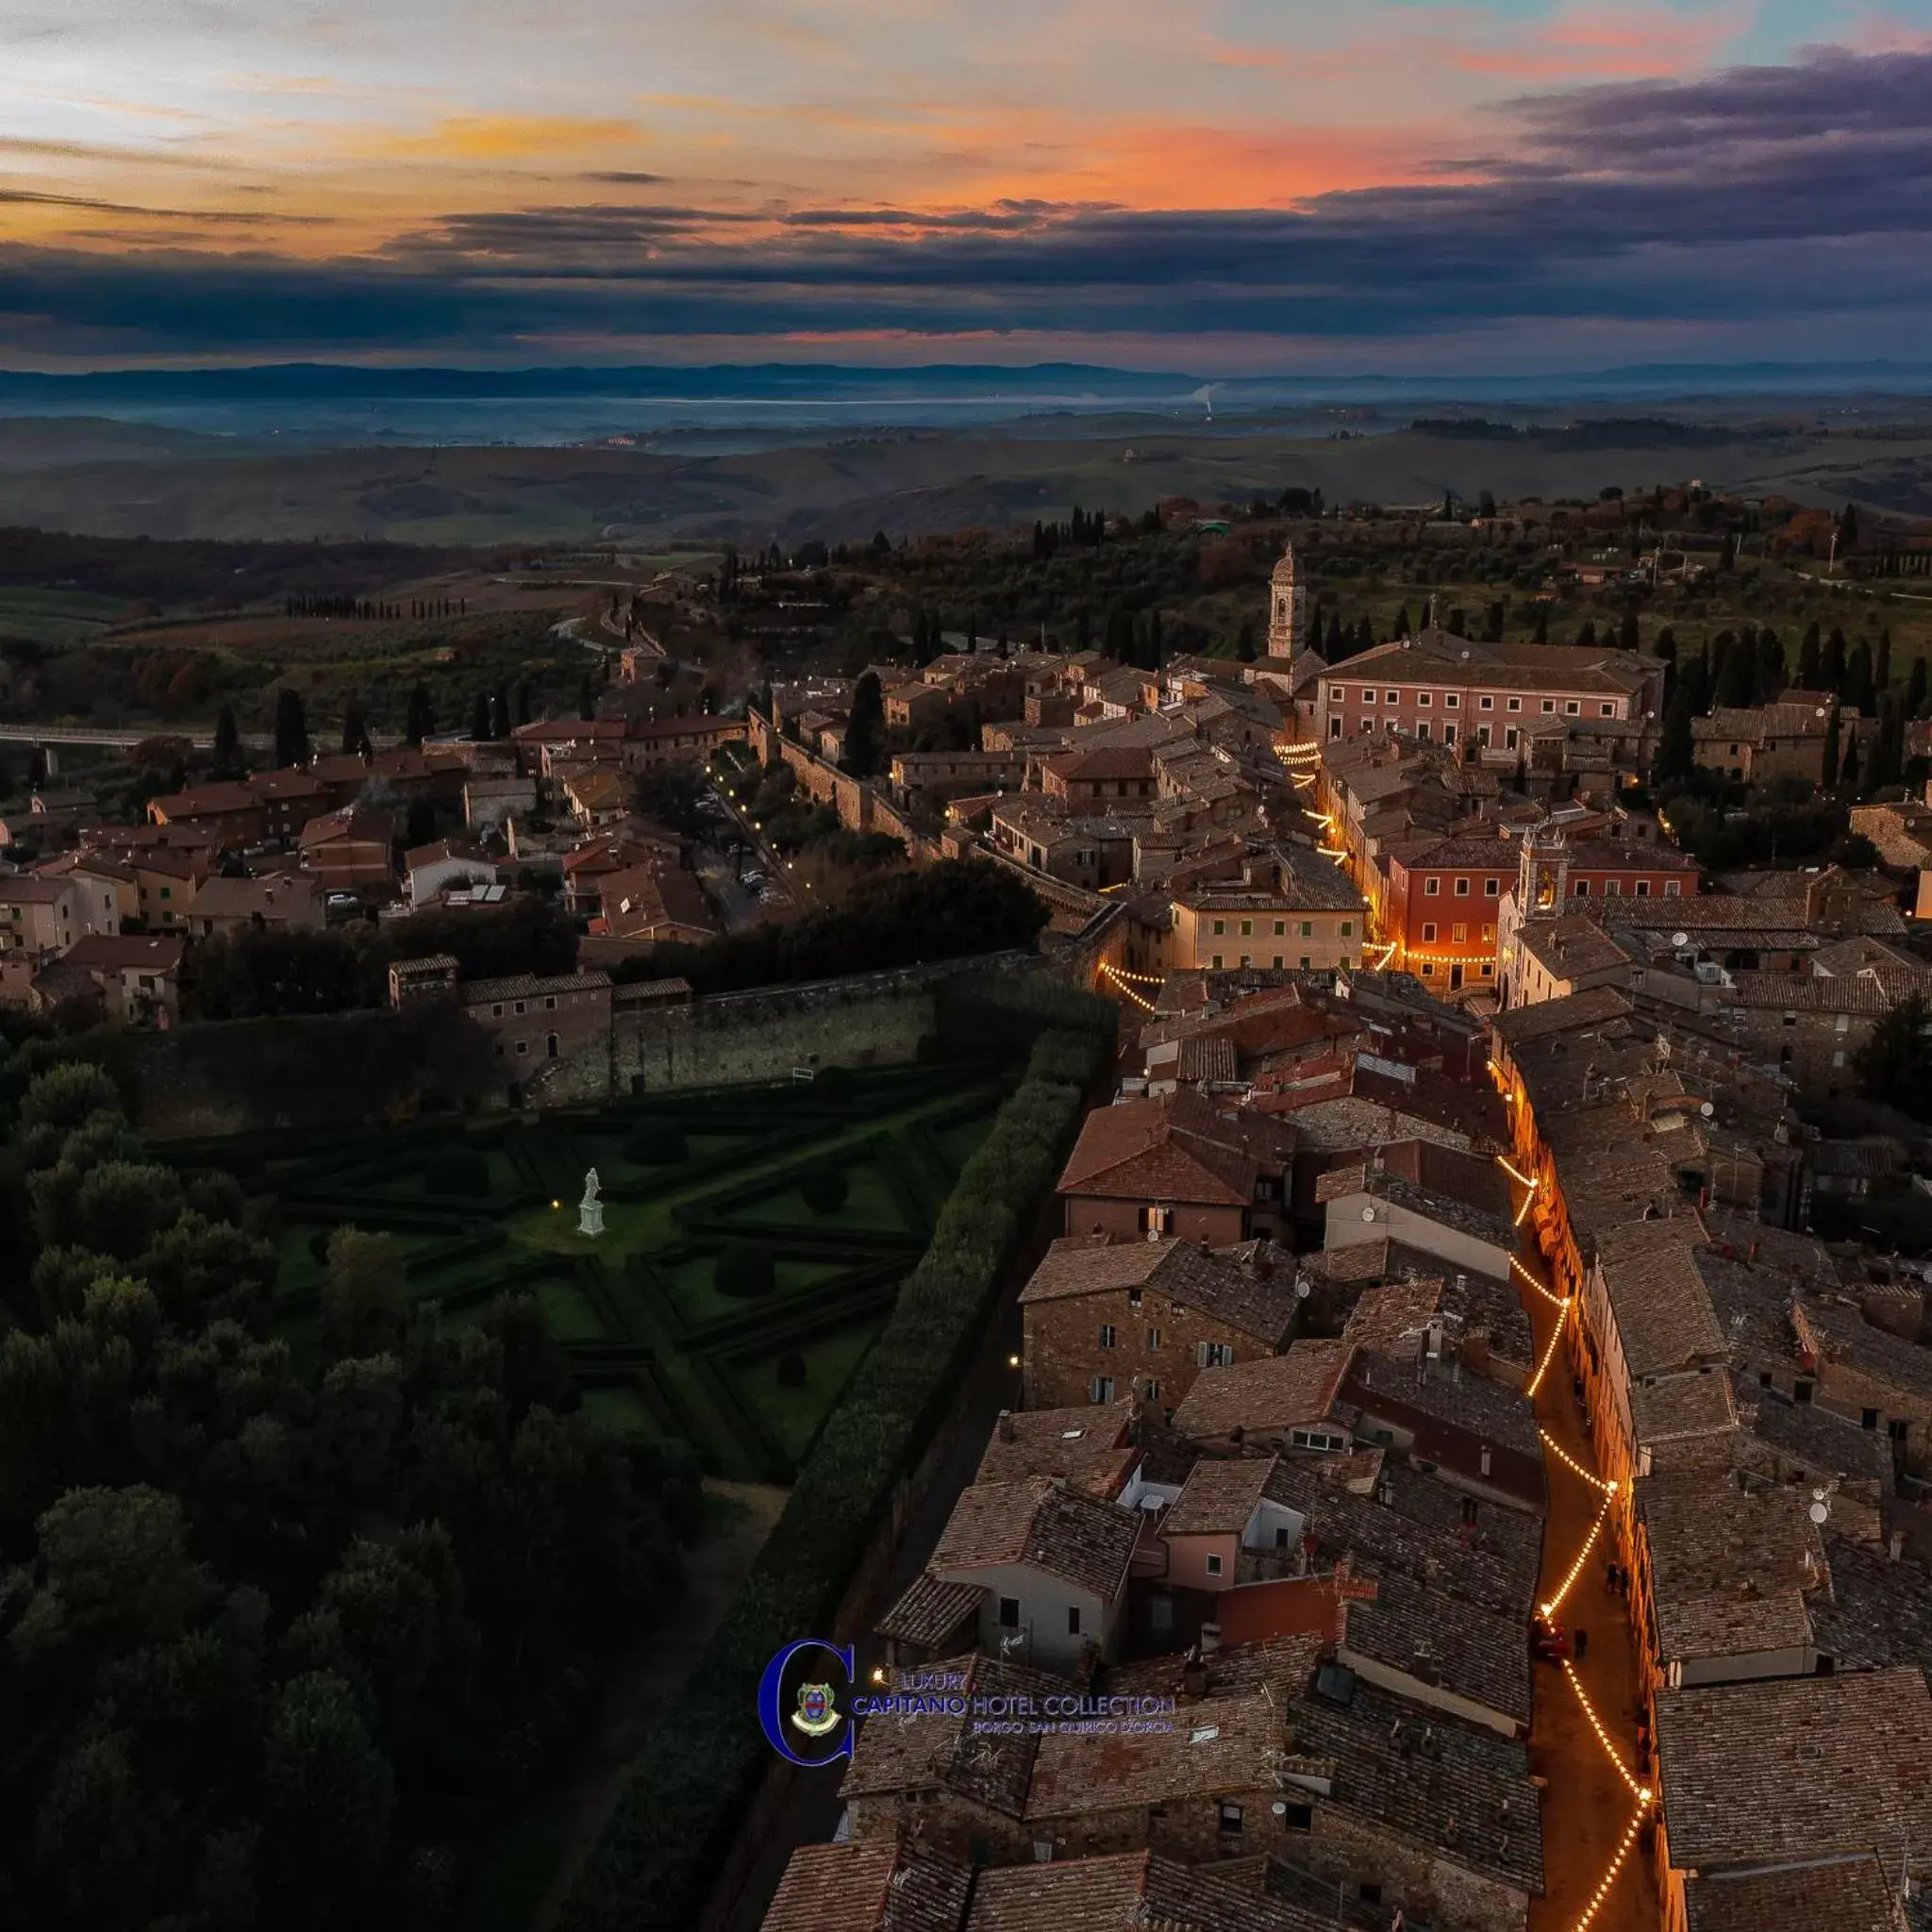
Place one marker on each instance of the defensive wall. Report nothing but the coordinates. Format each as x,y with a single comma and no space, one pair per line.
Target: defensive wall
335,1072
767,1034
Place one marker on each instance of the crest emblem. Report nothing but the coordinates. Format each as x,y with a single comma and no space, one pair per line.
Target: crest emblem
816,1715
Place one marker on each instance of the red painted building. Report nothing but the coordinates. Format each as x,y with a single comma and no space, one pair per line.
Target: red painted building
1442,908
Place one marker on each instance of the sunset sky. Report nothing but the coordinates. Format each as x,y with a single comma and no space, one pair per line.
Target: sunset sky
1227,185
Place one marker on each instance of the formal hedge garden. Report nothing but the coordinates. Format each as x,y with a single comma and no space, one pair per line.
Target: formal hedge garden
673,1825
744,1228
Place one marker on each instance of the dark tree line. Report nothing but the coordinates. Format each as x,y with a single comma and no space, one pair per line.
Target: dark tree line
950,910
285,1636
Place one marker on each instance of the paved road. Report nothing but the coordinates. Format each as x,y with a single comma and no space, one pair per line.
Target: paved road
1587,1803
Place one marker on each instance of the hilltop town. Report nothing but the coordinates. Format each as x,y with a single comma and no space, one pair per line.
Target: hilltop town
1344,1192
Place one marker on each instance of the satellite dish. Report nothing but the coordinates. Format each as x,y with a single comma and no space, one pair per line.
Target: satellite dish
1279,1807
1680,938
1707,1110
1368,1214
1303,1289
1818,1513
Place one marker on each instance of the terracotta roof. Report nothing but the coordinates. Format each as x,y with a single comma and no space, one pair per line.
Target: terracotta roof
1413,1526
273,897
1658,1295
1274,1391
885,1887
943,1750
1438,1638
1045,1525
1437,1388
124,952
521,986
1830,1896
930,1610
1260,1305
1217,1498
1797,1768
1175,1148
207,801
1226,1746
1132,1892
1729,1567
1091,1447
29,888
1461,1791
356,822
1676,1408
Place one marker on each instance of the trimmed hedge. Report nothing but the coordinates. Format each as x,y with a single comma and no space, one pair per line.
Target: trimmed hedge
833,1084
457,1171
744,1271
1000,1015
656,1143
825,1189
674,1825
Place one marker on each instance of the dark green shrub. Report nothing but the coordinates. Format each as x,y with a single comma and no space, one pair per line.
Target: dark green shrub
217,1196
792,1371
656,1143
833,1084
744,1271
457,1171
318,1244
825,1189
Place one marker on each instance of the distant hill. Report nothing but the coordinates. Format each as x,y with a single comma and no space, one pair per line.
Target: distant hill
842,489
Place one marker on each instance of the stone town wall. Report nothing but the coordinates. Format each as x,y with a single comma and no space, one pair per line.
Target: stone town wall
870,1019
342,1071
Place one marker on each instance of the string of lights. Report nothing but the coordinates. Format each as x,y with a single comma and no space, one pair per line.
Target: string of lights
1549,1295
1576,1468
1542,1367
1129,990
1569,1583
1549,1608
1616,1865
1639,1791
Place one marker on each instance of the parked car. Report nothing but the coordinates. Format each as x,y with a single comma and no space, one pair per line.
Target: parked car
1549,1640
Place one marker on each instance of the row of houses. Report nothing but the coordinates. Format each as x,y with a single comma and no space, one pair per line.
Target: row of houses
1274,1471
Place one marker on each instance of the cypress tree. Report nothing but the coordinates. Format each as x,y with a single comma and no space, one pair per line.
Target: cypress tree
1859,694
1915,689
1810,658
292,729
355,729
1881,669
229,742
421,720
1832,734
479,719
1835,661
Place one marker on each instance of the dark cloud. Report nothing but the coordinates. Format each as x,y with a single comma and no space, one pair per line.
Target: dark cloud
624,178
1780,194
93,206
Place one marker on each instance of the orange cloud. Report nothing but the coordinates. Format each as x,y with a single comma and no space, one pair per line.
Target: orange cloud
507,138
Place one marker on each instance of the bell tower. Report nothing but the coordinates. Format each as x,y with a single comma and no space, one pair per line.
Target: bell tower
1288,609
1543,881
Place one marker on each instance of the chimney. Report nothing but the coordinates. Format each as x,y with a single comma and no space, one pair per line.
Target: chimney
1005,1425
1895,1545
1210,1638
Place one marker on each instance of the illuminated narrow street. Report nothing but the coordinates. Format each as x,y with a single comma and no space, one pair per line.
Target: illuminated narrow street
1583,1736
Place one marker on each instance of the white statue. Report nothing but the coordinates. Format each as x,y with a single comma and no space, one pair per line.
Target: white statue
591,1208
